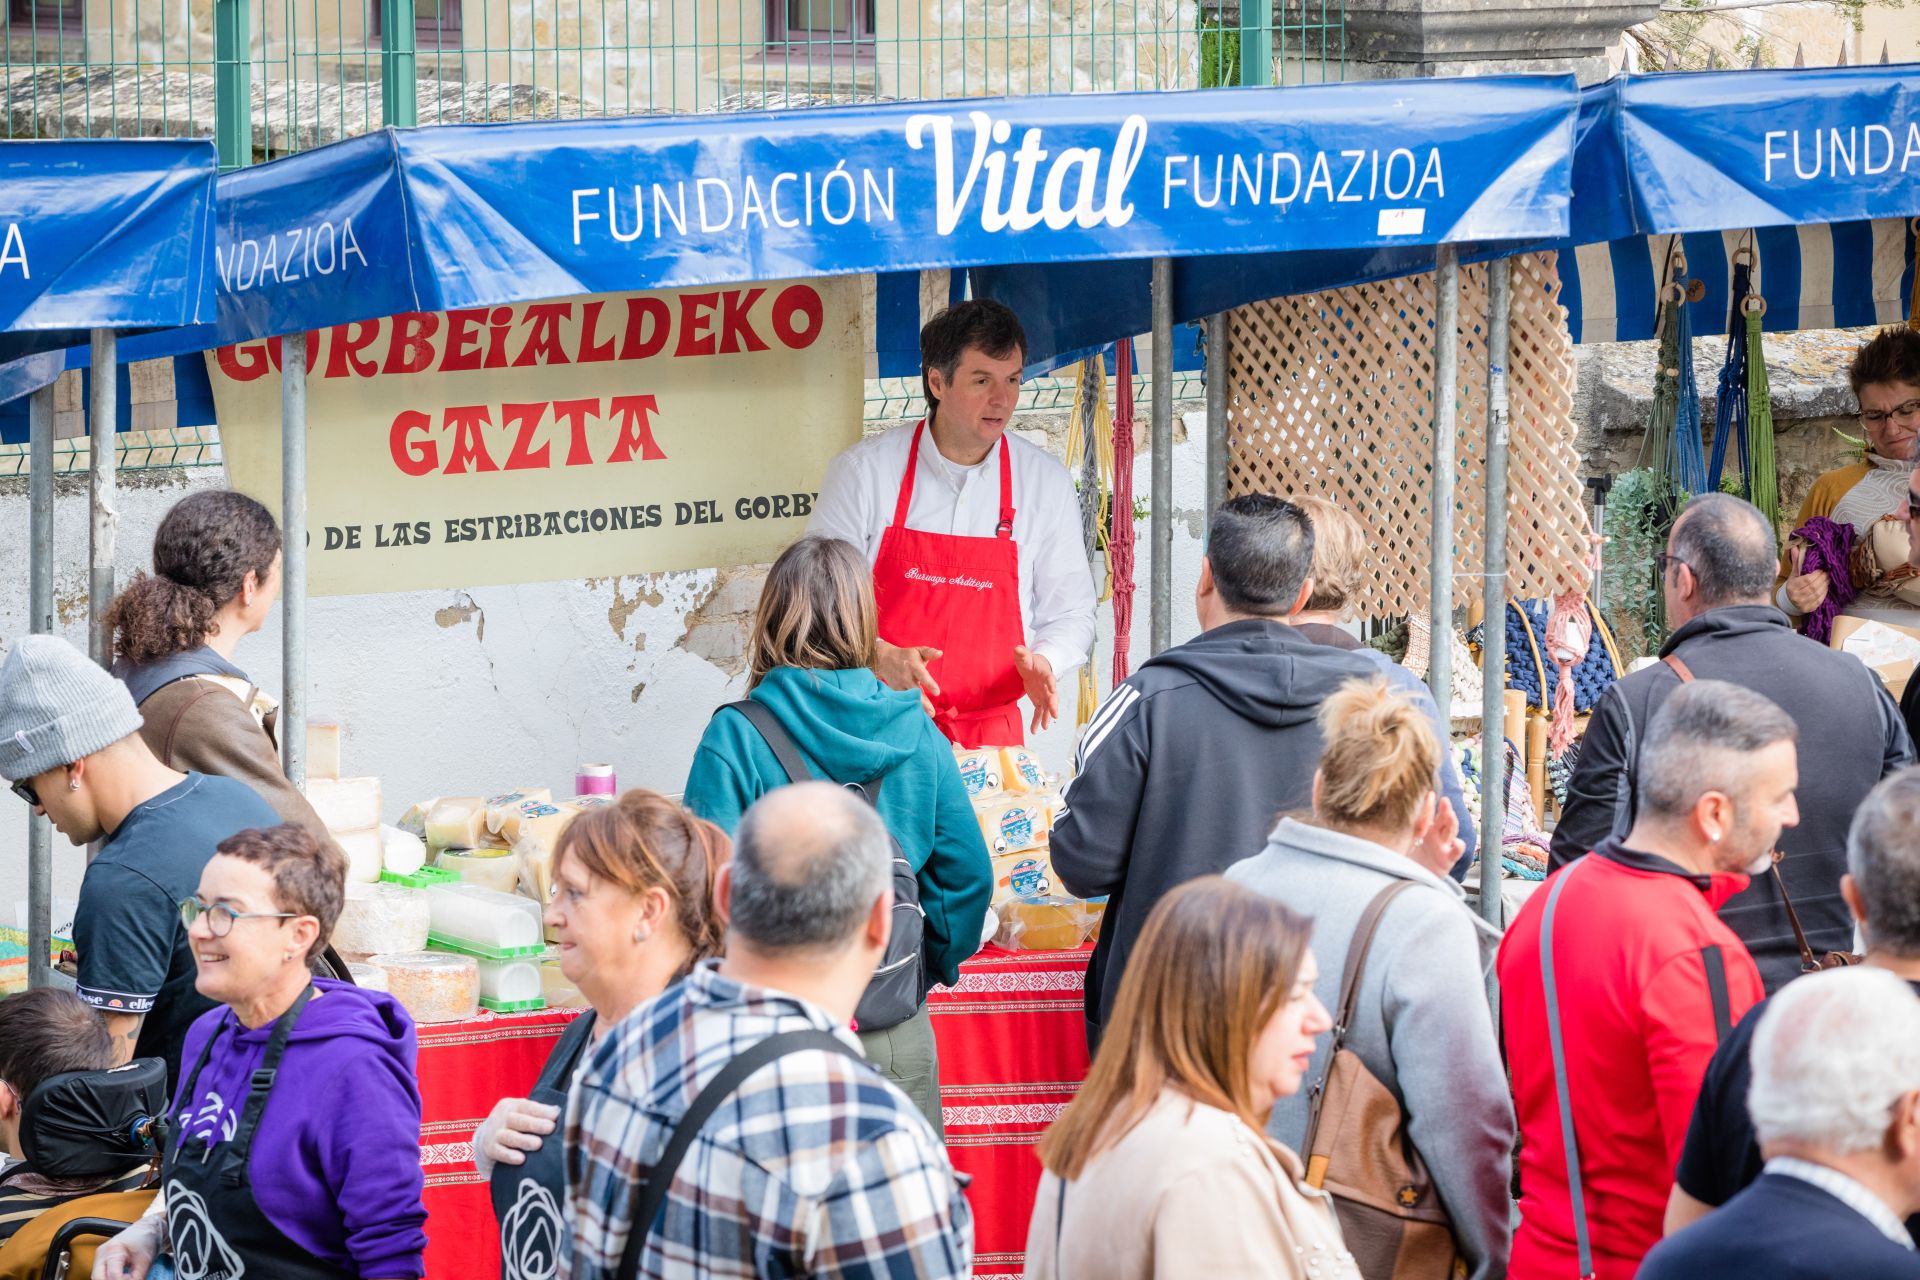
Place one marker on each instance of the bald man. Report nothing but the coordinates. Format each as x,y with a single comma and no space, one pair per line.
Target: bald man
1717,578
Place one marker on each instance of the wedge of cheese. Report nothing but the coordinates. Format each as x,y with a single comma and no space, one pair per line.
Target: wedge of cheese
979,772
1013,823
1020,772
345,804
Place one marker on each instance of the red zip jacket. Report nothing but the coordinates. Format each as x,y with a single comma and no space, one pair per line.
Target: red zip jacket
1649,979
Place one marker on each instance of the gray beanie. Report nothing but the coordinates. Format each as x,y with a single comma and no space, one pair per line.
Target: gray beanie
56,706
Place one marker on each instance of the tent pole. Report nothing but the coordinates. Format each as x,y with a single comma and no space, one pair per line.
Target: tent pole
1446,380
1493,650
103,414
293,580
40,622
1160,452
1217,340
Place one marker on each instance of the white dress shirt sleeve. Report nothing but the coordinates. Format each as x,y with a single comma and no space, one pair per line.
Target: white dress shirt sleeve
845,507
1062,625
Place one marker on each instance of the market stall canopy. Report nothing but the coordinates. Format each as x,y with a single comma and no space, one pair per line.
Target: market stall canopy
98,234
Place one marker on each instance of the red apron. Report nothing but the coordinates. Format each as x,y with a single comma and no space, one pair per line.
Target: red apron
959,595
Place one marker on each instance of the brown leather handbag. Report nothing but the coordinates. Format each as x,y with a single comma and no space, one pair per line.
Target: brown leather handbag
1360,1154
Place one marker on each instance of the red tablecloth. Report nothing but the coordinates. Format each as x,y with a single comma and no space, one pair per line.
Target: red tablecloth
1013,1049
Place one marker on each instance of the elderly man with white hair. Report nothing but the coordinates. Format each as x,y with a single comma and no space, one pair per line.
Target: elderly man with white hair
1836,1105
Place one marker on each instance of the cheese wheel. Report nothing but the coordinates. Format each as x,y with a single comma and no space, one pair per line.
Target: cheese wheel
979,772
1011,824
366,977
345,804
376,918
1020,771
432,986
363,854
495,869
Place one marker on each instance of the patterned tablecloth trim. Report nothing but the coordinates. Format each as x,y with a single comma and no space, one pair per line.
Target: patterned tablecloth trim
1033,1113
493,1028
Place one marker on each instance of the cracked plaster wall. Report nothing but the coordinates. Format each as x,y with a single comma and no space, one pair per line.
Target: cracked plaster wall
462,691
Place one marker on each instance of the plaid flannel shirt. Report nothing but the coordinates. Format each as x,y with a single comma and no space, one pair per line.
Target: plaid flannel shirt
816,1166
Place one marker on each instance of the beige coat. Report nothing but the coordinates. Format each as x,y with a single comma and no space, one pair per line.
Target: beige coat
1190,1191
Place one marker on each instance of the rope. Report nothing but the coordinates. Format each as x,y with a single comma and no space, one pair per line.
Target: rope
1120,548
1091,420
1730,401
1829,547
1763,474
1913,304
1689,457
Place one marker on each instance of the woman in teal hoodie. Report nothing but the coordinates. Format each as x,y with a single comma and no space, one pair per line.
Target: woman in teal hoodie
810,661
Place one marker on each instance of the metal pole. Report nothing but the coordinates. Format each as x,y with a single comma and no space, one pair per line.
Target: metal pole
1493,650
293,565
1160,518
399,76
1446,386
102,454
232,83
1256,42
40,622
1216,411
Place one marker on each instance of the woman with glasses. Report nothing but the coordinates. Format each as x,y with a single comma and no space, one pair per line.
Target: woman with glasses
632,912
295,1146
1870,495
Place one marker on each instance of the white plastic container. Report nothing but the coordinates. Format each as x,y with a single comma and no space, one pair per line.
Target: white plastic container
483,920
382,918
511,981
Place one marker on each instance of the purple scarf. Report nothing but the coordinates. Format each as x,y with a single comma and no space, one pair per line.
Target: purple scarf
1829,547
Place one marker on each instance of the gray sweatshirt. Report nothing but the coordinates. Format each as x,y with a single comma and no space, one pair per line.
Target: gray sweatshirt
1421,1022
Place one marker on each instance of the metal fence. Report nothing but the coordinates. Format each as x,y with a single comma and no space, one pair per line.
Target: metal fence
267,78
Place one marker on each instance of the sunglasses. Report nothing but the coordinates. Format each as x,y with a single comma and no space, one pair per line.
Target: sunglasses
26,792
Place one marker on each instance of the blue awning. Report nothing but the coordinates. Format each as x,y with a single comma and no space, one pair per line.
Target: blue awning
99,234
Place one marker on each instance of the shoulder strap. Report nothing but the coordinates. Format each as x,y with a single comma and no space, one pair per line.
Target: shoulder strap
1807,963
776,736
787,753
650,1197
566,1054
1565,1098
1716,966
260,1085
1679,668
1350,976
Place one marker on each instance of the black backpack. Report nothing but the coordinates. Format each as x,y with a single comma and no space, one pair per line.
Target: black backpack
898,984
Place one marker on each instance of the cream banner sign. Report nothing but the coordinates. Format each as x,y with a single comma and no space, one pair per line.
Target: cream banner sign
575,438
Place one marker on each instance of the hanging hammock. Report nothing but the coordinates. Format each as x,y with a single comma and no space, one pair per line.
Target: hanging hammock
1121,527
1763,471
1091,426
1730,399
1672,446
1913,305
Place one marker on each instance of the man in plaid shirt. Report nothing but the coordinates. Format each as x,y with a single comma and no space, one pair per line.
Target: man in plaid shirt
816,1165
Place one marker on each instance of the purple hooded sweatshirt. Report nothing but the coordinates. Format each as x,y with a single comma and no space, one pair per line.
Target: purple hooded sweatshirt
336,1162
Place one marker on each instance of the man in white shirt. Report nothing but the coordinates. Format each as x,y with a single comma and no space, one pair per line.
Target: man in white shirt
979,567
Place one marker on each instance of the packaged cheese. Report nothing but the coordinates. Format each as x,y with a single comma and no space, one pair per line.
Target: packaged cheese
538,833
1044,924
363,854
401,852
979,772
378,918
465,915
503,811
345,804
458,822
1012,824
557,989
496,869
432,986
1020,771
1027,874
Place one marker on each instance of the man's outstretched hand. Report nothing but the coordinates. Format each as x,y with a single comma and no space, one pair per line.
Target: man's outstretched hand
906,668
1036,673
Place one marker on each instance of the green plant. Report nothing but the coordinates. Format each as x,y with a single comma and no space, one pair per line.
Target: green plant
1219,55
1639,516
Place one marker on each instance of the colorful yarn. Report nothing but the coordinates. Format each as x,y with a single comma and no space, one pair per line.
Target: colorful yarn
1592,676
1567,638
1122,509
1829,547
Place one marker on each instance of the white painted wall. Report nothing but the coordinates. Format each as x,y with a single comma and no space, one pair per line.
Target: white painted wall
458,692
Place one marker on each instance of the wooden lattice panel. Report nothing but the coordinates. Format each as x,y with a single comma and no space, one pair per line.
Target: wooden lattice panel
1331,394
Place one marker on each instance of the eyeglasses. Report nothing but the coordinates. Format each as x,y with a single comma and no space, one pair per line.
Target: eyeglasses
220,916
1913,510
26,792
1665,561
1874,417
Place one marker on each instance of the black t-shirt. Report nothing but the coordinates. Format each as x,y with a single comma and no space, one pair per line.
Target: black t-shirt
133,949
1721,1156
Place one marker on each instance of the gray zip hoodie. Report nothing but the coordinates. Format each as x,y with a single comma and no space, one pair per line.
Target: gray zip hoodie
1421,1023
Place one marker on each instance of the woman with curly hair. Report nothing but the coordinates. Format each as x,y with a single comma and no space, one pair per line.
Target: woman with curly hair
216,574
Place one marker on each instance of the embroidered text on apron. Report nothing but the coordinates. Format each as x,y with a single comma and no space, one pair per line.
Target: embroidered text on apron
960,595
217,1229
527,1196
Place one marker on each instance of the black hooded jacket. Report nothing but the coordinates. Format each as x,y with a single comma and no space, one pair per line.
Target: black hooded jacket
1184,769
1851,736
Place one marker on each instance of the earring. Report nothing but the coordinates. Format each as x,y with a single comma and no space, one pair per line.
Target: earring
286,955
73,785
641,935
